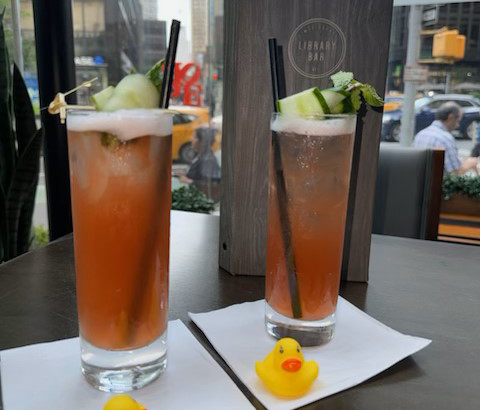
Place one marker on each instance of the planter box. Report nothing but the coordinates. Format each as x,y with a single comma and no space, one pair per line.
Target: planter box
461,204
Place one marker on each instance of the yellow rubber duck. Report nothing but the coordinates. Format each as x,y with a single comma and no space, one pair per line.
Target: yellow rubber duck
122,402
285,372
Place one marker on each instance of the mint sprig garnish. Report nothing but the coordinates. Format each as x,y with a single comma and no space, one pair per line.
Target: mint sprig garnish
371,96
342,79
346,81
155,75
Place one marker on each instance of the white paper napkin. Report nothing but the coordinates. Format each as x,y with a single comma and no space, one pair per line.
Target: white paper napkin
47,376
361,348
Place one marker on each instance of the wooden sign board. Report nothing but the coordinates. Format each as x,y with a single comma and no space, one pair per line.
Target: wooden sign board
319,37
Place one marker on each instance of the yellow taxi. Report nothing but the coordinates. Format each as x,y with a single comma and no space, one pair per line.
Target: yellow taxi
393,101
185,121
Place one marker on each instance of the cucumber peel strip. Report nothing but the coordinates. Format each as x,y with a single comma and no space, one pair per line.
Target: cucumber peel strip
321,100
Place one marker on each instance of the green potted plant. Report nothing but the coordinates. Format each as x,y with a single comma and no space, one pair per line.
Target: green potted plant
461,195
190,198
20,147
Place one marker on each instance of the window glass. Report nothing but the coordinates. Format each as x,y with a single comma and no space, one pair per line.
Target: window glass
445,75
463,103
440,77
112,38
21,48
190,117
177,119
474,35
436,104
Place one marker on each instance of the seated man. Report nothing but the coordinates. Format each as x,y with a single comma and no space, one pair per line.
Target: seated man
438,135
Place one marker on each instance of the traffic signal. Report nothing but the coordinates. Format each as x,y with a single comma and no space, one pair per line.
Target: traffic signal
449,44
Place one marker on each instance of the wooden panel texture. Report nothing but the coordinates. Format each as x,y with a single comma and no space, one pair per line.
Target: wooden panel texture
355,38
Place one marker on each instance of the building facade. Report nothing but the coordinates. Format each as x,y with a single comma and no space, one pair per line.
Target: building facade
154,42
111,35
199,27
149,9
462,16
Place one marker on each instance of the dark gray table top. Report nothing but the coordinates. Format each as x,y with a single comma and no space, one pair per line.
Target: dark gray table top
427,289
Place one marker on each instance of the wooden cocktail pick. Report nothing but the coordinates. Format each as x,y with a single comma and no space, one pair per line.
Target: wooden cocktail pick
59,105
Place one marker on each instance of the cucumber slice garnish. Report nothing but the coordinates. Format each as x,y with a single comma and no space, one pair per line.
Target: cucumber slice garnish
345,107
100,99
343,98
333,97
322,101
313,101
133,91
338,109
109,141
308,102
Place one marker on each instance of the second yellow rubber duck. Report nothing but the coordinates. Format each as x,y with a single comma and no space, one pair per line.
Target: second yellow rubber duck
285,372
122,402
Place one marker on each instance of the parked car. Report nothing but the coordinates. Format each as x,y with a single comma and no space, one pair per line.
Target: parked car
425,109
185,122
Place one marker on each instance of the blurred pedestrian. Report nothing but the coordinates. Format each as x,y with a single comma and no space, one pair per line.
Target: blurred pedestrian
204,167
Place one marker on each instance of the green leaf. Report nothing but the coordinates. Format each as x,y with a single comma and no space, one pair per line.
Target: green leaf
25,221
22,189
190,198
4,251
24,116
341,79
348,107
355,99
371,96
41,236
20,147
7,140
346,81
461,185
155,75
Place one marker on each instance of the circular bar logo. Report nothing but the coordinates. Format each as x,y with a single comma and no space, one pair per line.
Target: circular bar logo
317,48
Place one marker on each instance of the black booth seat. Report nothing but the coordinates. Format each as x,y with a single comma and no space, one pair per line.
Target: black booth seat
408,191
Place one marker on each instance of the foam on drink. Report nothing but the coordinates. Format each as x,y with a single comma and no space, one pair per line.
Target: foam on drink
340,125
124,124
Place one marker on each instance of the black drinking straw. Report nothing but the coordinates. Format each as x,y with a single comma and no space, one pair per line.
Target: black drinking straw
138,301
282,86
279,91
272,48
169,65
